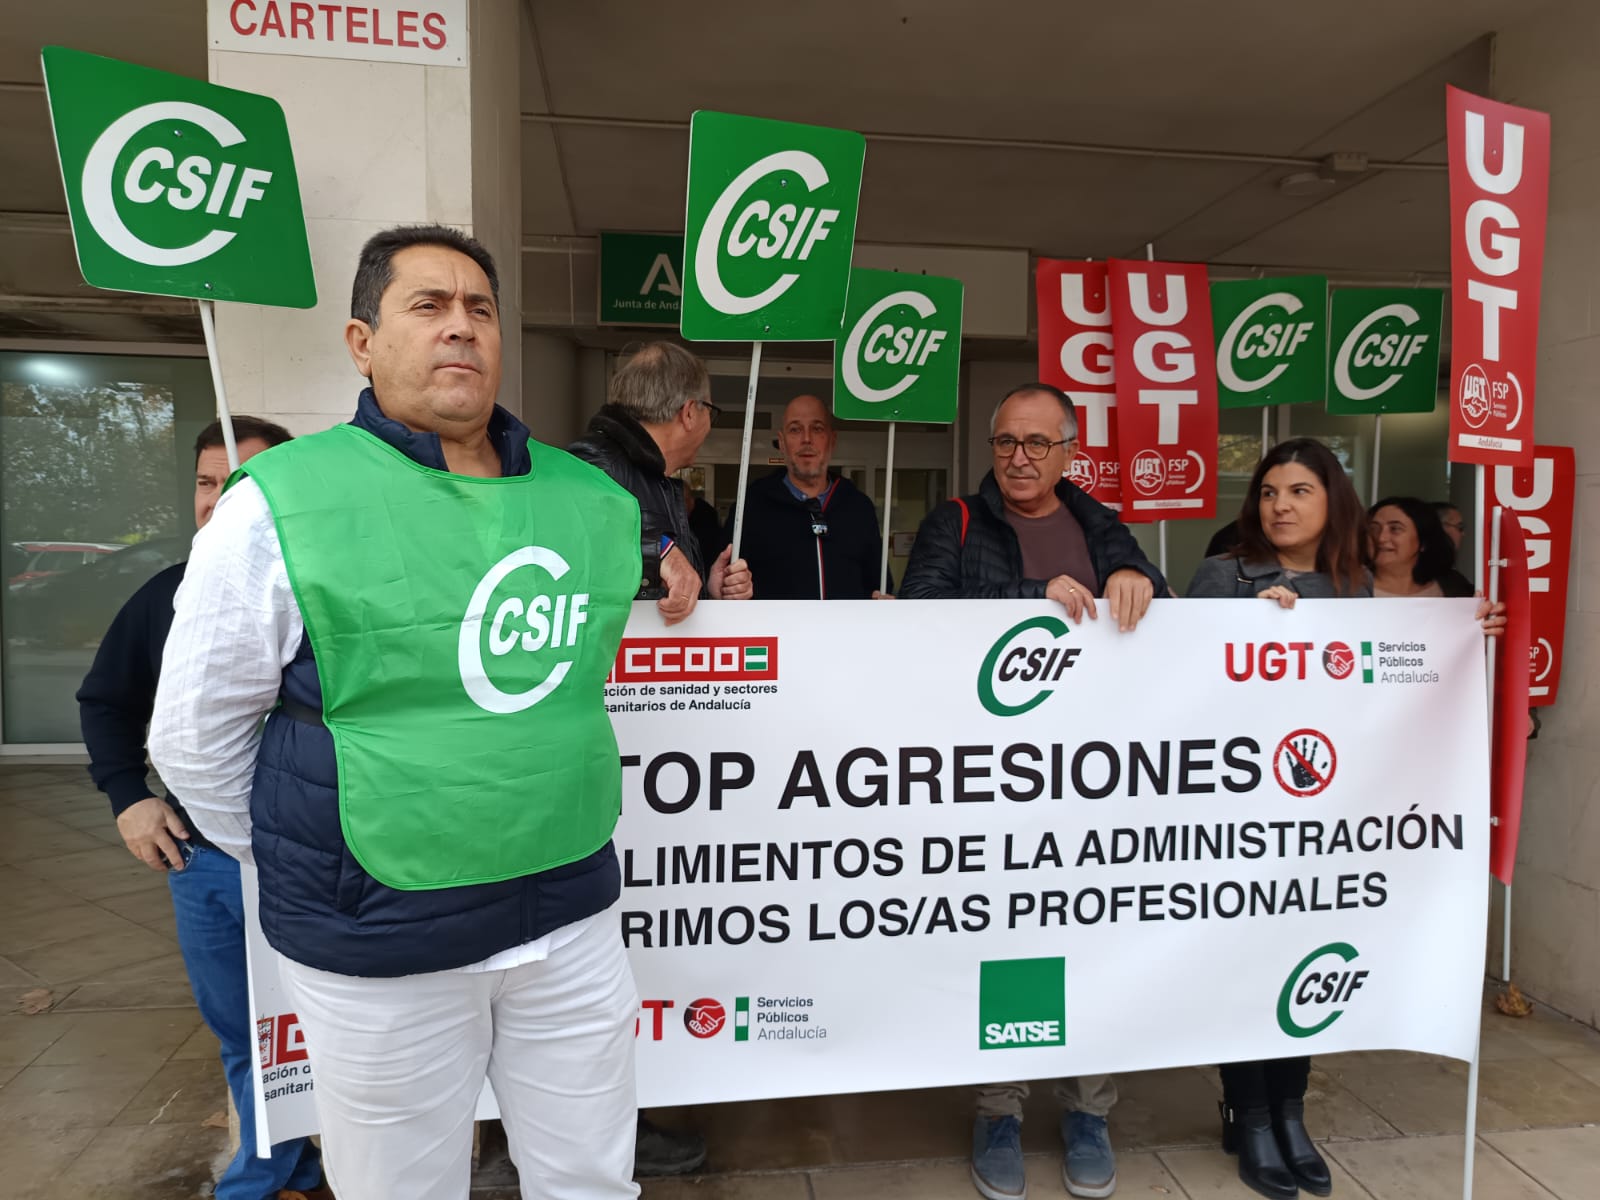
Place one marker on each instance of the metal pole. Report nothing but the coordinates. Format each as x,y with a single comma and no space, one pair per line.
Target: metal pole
1161,543
1266,430
1472,1115
1477,530
744,450
1377,453
1495,563
1505,944
888,507
208,323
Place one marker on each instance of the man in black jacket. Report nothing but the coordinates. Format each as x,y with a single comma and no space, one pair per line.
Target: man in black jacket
114,705
655,420
1030,534
808,536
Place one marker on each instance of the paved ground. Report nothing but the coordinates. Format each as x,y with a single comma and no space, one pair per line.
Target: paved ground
115,1093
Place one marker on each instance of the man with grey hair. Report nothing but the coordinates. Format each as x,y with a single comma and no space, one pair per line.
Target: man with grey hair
1030,534
654,422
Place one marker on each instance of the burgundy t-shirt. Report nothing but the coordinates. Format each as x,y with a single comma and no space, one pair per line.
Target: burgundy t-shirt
1054,545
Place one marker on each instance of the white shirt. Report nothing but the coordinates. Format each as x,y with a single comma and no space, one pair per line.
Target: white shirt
236,625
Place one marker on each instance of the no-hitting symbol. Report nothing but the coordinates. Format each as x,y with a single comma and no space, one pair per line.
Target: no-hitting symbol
1305,762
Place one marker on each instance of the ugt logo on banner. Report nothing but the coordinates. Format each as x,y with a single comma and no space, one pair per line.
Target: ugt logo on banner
1499,194
177,187
1166,389
899,358
1075,355
771,223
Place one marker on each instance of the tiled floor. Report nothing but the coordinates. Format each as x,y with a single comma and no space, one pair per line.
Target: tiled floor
113,1092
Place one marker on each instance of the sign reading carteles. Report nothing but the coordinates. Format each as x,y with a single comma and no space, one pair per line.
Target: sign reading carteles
1272,340
898,356
433,33
1166,389
1076,355
974,889
1385,350
1499,198
771,221
1542,497
177,187
641,278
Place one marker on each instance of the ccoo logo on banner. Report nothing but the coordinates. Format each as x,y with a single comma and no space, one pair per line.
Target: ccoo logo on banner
1499,197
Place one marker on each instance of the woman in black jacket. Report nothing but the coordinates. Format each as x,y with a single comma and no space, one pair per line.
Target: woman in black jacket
1301,533
1411,553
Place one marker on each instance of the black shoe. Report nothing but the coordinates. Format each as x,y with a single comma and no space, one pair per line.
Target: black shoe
1299,1152
1247,1132
661,1152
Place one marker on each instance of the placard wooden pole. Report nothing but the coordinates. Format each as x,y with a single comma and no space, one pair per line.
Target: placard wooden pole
744,449
208,323
888,508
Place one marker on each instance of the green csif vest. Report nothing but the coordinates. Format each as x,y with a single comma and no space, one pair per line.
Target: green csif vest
463,630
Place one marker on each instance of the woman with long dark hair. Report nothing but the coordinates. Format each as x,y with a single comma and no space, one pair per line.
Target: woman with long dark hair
1411,553
1302,532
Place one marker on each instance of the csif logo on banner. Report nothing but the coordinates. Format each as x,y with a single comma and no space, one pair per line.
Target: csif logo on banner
522,633
1271,340
900,359
1385,350
1317,989
1024,665
771,217
177,187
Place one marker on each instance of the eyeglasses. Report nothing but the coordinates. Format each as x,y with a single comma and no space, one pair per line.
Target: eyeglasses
714,409
819,523
1035,447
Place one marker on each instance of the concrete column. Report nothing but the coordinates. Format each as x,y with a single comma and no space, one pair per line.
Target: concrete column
1547,63
379,144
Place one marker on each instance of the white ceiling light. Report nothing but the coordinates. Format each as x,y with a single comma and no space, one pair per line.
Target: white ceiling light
1304,183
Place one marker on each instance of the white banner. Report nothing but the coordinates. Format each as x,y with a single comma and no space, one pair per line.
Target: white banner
917,844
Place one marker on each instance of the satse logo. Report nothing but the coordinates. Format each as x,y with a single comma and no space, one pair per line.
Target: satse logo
1265,340
1306,1003
171,174
543,621
1022,1002
1023,662
874,340
789,231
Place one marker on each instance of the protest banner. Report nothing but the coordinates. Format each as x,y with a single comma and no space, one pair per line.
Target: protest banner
1022,850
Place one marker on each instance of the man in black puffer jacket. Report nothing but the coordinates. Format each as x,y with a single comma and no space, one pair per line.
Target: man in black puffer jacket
809,535
655,420
1028,534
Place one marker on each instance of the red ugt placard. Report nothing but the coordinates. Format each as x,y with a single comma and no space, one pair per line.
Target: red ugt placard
1166,389
1499,196
1541,496
1508,738
1075,355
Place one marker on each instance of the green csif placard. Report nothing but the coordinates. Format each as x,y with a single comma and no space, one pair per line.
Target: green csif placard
1272,340
1384,350
177,187
898,356
771,224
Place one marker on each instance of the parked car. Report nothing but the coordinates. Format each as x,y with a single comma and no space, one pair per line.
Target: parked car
74,607
36,560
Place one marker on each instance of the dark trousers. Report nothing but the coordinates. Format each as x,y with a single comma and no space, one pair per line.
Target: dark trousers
1259,1084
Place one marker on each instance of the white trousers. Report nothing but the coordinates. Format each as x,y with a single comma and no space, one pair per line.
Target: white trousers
399,1064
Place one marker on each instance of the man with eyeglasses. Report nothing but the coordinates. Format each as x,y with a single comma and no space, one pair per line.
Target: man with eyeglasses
655,420
1030,534
808,535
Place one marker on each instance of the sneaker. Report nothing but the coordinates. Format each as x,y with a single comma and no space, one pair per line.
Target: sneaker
997,1170
1088,1167
659,1151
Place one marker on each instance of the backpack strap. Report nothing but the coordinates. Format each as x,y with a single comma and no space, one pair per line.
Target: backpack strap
966,516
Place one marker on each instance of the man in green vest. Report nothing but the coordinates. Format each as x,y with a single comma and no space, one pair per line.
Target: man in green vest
424,605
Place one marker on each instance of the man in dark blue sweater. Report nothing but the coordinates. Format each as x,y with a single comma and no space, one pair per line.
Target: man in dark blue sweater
809,535
115,704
